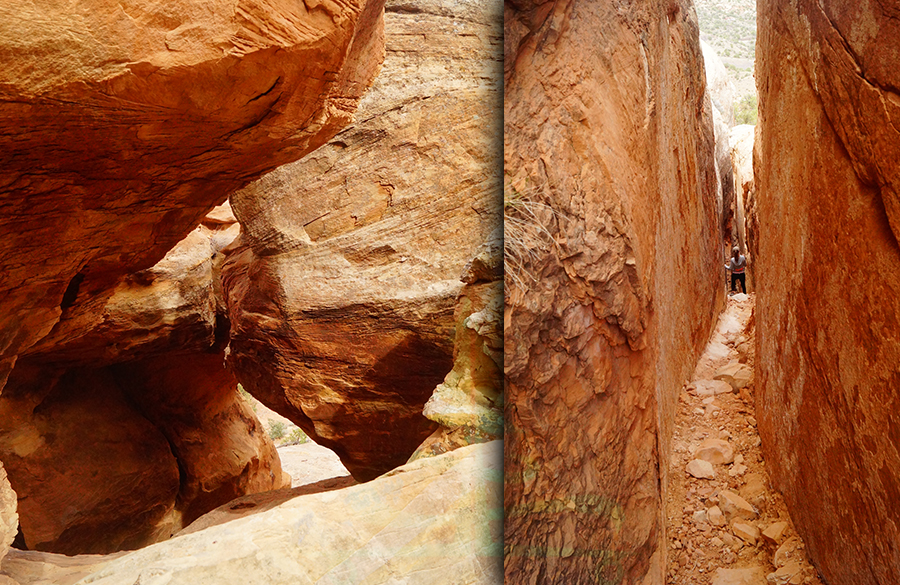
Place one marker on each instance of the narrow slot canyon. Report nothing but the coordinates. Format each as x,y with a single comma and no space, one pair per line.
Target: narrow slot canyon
661,430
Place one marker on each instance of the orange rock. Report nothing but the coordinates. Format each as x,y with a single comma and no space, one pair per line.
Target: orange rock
123,126
828,336
610,174
342,299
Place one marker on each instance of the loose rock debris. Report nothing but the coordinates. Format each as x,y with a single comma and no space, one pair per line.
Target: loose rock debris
726,525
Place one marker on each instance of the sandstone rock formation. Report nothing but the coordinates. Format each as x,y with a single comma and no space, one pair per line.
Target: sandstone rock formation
609,163
721,94
341,299
828,337
746,221
450,528
9,520
123,124
468,403
123,424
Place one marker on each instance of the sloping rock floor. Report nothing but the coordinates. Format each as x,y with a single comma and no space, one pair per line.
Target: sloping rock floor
726,525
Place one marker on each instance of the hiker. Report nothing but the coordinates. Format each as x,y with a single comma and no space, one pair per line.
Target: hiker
737,264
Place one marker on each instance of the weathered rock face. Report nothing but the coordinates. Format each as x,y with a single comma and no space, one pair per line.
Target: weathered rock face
828,337
9,520
450,528
615,176
468,403
342,299
746,221
123,424
721,94
124,123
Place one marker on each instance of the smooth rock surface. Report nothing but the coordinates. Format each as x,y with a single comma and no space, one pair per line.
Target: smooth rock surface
123,124
715,451
431,520
746,532
711,387
737,375
366,239
701,469
734,506
610,305
828,335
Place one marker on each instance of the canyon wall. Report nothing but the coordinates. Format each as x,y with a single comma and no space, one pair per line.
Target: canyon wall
828,336
342,294
613,277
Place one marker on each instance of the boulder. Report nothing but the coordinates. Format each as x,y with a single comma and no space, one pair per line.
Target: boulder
716,517
828,337
124,124
774,533
734,506
711,387
746,532
9,520
701,469
342,294
716,451
432,518
736,374
167,436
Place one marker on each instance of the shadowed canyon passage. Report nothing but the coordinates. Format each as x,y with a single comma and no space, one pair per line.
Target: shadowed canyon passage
613,173
350,282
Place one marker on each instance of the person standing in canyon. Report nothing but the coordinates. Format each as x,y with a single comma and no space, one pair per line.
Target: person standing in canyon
737,265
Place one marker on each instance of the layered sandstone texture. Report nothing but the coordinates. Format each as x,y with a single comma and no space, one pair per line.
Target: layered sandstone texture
342,297
436,520
828,336
721,95
123,123
612,183
123,424
741,141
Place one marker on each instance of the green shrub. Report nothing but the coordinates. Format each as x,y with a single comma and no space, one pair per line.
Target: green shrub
276,429
745,110
296,437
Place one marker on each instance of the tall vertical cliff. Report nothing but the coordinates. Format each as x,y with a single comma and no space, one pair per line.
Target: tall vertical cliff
613,277
828,337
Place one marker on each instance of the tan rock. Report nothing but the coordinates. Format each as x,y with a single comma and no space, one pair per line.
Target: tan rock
828,94
736,374
9,520
217,94
790,550
790,573
774,533
743,576
711,387
716,451
366,239
735,507
754,489
716,517
435,517
746,532
701,469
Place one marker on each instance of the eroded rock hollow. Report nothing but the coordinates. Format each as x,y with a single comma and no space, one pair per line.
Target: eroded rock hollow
613,277
828,338
121,126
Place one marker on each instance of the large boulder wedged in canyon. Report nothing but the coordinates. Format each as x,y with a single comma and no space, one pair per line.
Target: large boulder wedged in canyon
166,436
342,299
437,520
122,124
828,335
611,183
